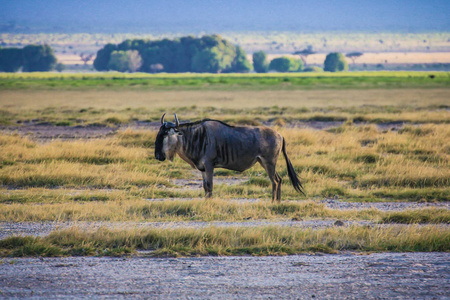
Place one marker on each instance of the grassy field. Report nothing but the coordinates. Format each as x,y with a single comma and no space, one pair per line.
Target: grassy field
229,241
277,81
386,144
112,98
356,162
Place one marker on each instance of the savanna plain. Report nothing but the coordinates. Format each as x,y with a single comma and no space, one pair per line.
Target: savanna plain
78,175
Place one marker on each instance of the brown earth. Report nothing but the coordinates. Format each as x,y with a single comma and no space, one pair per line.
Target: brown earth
316,276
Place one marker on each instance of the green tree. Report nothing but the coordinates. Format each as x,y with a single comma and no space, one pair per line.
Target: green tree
206,61
286,64
305,53
186,54
103,56
60,67
260,63
240,63
125,61
353,56
38,58
335,62
11,59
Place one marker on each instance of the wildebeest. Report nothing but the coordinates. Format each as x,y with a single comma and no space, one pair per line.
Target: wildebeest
210,144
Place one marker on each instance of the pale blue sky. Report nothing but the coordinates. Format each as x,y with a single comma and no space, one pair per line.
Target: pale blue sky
401,15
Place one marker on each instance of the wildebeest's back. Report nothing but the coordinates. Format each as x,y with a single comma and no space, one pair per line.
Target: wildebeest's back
237,148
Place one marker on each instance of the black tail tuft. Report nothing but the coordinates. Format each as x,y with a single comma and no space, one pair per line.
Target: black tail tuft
291,172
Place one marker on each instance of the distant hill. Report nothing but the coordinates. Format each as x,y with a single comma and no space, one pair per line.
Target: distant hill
197,16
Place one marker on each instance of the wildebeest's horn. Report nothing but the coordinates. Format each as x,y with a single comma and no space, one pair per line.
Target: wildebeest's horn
162,118
176,121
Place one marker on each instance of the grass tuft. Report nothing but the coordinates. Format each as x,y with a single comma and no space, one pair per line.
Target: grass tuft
424,216
230,241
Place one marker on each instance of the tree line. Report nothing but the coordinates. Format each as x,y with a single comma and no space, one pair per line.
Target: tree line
208,54
334,62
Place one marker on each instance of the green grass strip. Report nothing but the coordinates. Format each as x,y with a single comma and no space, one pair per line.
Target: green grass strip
392,79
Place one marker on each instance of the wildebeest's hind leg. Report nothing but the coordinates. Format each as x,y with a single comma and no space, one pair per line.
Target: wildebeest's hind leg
274,178
208,181
279,186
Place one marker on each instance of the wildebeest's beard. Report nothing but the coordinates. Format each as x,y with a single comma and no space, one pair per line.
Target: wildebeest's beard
159,153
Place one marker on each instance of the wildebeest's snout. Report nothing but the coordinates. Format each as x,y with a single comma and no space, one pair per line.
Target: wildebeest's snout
160,156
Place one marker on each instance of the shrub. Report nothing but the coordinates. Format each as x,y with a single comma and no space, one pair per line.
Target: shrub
125,61
38,58
60,67
260,63
11,59
33,58
286,64
313,69
335,62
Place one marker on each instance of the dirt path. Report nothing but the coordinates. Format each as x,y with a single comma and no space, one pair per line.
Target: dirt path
8,229
45,132
343,276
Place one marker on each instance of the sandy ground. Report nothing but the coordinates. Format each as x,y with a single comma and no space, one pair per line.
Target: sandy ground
383,57
343,276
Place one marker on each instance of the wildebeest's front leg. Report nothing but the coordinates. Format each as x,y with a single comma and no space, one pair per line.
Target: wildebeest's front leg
207,175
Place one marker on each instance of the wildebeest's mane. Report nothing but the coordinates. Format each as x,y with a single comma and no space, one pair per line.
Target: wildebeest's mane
191,124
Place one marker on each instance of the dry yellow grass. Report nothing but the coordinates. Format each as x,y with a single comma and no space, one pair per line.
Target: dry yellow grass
356,162
109,179
124,209
268,240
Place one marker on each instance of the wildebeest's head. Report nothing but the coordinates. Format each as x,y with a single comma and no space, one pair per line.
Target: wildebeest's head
166,140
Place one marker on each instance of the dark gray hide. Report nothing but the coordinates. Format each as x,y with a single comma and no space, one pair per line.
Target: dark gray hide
210,144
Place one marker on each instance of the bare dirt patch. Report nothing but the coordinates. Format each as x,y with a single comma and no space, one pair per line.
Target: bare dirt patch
48,132
383,206
8,229
44,132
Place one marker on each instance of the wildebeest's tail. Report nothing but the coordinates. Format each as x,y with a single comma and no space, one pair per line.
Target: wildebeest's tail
291,172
